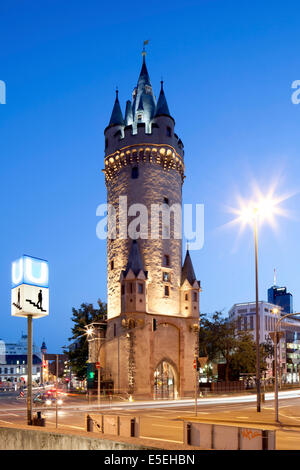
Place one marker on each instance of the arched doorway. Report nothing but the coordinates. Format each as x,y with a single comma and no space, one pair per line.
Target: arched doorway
165,385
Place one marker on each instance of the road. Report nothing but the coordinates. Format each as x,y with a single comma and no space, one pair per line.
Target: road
161,420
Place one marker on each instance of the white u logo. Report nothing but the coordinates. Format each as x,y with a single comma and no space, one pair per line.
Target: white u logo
42,278
17,271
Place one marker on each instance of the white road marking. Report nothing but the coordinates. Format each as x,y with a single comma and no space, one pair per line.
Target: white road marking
160,439
166,426
67,425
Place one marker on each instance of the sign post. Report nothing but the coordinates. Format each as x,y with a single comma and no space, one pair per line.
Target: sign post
30,299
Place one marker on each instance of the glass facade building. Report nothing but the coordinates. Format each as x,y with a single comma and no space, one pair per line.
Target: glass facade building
279,296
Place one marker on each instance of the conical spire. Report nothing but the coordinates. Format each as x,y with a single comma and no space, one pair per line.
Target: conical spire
116,115
144,78
134,259
143,95
162,105
188,270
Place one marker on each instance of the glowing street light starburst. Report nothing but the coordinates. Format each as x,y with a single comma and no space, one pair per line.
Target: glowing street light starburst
263,208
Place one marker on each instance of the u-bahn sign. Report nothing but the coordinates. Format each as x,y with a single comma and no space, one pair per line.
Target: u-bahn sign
30,287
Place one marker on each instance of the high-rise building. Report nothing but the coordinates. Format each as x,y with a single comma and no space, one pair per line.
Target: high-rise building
153,301
279,296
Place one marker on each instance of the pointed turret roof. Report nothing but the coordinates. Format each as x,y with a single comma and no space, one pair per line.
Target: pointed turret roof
188,270
162,105
116,115
144,78
144,99
135,262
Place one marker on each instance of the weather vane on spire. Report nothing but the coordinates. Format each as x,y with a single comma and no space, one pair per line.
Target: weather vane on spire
144,50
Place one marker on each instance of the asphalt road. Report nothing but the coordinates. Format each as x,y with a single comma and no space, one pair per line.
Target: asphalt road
163,420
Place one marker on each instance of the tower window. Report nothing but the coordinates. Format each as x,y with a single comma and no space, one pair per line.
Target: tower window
195,297
139,118
167,291
106,143
130,288
122,289
111,265
134,172
186,297
166,277
166,201
169,131
140,288
166,260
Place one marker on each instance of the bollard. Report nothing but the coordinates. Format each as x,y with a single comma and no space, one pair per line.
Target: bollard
132,427
188,433
89,424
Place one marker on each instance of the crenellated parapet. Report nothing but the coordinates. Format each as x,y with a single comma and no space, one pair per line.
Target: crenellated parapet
157,154
161,130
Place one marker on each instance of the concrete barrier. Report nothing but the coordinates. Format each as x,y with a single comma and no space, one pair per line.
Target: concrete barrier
111,425
220,437
128,426
124,425
27,439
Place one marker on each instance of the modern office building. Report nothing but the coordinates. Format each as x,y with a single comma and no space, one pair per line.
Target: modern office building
244,314
13,362
279,296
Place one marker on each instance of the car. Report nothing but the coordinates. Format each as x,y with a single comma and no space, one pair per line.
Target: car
47,399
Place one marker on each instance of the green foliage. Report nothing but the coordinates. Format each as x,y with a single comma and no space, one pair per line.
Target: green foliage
81,317
220,339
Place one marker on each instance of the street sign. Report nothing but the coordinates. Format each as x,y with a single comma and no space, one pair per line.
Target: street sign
98,365
280,334
30,288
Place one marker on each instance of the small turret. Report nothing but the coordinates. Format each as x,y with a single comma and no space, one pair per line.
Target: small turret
133,282
116,115
162,105
190,288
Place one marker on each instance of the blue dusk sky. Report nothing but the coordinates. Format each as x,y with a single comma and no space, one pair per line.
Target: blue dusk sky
228,67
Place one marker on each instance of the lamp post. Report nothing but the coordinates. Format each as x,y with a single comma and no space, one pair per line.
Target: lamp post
91,333
257,319
263,208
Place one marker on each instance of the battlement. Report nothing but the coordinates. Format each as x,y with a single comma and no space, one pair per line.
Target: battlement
163,155
159,131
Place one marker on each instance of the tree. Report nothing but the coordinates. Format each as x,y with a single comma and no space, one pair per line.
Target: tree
78,355
217,338
220,338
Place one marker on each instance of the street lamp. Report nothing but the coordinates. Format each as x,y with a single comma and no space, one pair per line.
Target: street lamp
250,213
90,331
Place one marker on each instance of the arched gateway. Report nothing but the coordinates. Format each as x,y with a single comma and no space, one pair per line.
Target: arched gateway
165,381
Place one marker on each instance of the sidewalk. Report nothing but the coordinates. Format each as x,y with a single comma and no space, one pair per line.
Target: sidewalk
251,418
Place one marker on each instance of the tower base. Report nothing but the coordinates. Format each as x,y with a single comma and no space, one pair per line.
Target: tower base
151,356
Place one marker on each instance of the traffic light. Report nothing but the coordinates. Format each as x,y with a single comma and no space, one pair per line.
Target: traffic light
91,375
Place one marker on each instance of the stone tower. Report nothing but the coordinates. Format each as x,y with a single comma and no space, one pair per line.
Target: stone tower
153,302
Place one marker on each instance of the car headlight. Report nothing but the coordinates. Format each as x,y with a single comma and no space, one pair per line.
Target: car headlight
48,402
59,401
